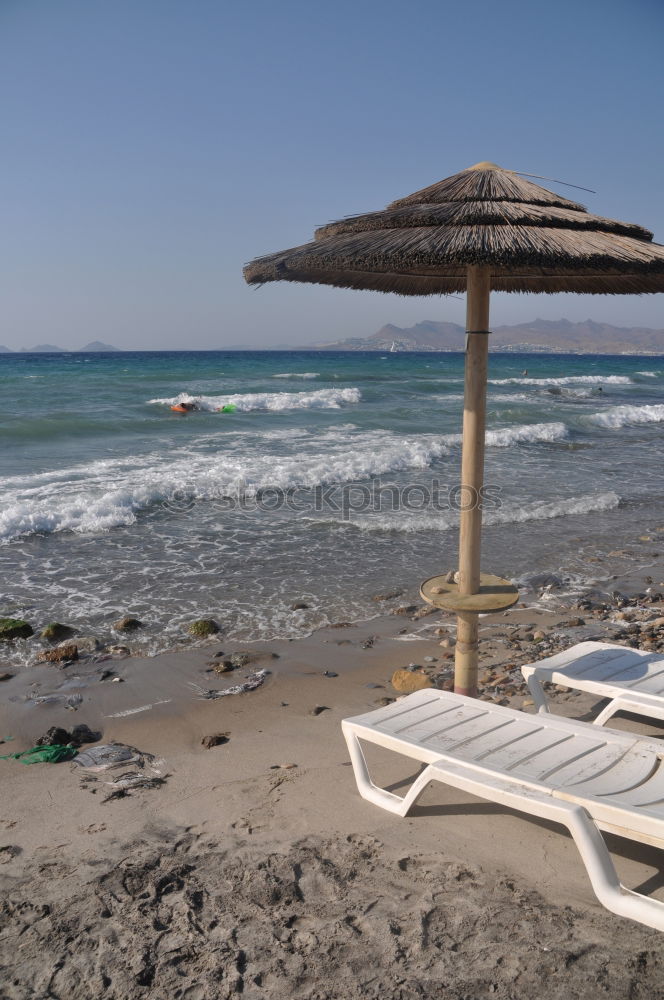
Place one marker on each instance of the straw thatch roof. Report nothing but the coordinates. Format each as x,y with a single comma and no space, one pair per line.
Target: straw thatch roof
533,240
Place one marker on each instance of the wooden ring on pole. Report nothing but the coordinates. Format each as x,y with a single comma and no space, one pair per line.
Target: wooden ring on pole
495,594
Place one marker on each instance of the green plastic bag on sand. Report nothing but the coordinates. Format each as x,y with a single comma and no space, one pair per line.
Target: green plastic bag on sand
51,754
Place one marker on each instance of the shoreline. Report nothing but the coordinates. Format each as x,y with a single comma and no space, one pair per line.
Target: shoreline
257,869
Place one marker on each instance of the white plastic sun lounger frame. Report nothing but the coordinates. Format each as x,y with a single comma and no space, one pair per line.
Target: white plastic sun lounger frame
563,770
632,679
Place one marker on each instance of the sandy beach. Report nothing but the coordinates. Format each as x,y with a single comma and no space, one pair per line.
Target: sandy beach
256,869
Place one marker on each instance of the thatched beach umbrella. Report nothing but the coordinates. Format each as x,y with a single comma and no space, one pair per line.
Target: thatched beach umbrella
482,229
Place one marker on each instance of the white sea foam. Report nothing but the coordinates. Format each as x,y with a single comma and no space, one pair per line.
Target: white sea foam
528,434
296,375
627,416
321,399
566,380
648,374
109,493
410,522
505,437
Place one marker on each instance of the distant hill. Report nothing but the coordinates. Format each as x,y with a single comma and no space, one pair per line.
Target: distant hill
557,336
43,349
5,350
96,345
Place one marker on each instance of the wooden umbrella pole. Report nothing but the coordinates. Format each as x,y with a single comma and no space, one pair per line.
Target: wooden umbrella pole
472,473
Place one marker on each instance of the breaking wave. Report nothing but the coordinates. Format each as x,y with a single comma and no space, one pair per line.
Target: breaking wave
321,399
111,492
566,380
628,416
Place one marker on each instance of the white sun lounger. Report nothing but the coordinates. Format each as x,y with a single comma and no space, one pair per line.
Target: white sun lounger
632,678
570,772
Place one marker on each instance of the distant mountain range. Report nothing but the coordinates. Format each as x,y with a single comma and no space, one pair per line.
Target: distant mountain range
93,346
549,336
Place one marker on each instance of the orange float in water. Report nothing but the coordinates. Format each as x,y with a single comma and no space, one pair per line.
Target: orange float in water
179,409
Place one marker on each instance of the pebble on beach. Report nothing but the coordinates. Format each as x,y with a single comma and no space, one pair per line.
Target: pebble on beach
407,681
58,655
215,740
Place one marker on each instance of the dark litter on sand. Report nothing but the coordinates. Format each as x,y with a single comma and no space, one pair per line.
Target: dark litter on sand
124,783
55,746
79,734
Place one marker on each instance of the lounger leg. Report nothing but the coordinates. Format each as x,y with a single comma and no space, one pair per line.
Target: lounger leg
379,796
603,876
537,692
606,713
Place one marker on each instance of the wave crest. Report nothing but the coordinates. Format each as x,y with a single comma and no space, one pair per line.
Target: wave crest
321,399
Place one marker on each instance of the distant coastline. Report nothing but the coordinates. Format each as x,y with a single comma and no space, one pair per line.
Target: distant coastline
430,336
94,347
538,337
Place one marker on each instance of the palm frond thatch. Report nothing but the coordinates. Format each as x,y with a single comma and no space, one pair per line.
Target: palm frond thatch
533,240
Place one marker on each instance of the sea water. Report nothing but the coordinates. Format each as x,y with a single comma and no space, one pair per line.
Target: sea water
333,479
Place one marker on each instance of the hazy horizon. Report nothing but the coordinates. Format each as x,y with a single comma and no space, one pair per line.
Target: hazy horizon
151,149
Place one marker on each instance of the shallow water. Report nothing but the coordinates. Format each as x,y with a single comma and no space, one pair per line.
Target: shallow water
333,479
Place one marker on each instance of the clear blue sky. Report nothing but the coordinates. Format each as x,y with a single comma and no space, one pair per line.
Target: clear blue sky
152,147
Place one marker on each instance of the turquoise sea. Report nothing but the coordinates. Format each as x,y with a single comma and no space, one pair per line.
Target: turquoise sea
332,480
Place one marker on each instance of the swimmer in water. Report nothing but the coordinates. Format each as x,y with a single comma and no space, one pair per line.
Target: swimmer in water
525,371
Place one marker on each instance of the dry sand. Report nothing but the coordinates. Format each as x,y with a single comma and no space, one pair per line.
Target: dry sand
238,877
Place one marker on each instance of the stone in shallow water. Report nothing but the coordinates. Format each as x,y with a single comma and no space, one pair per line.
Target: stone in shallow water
388,596
127,624
84,643
56,632
15,628
203,627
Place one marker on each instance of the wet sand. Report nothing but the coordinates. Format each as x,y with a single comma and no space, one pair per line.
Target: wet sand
256,870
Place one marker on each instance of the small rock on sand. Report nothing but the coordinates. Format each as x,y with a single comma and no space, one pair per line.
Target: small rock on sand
215,740
221,666
406,681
